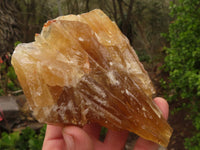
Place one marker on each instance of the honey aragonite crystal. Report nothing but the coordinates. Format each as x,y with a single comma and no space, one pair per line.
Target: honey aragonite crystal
81,69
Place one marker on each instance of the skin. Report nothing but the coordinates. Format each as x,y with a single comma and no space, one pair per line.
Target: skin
86,138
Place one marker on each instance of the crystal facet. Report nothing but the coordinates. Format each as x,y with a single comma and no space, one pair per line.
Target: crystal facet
81,69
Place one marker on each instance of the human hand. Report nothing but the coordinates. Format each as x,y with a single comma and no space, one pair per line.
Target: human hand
75,138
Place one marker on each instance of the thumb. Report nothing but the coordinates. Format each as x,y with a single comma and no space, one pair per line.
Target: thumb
76,138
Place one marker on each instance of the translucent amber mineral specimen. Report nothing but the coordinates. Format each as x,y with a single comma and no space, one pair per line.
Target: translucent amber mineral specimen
81,69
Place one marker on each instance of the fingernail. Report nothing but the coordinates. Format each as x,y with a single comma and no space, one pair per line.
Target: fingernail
69,141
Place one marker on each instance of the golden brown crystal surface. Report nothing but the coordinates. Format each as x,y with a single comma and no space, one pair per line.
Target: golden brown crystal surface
81,69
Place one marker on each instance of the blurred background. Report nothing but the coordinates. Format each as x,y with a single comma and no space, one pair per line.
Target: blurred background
164,33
